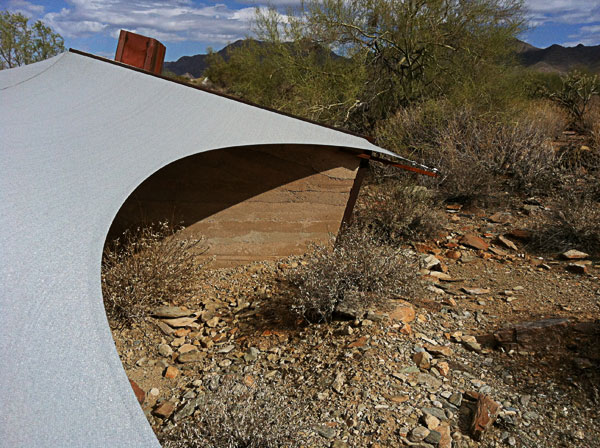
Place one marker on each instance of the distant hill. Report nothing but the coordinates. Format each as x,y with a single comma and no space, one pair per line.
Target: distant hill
194,66
559,59
556,58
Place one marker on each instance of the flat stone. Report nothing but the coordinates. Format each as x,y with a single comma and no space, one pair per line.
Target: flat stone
187,348
178,341
225,363
164,410
165,350
440,276
326,432
528,335
498,252
347,310
439,350
476,291
212,322
443,368
193,356
430,421
445,436
182,322
484,417
186,410
180,332
403,313
171,312
431,262
574,255
226,348
435,412
474,242
164,328
471,343
422,360
454,254
500,218
455,399
506,242
360,342
171,372
418,434
433,437
429,380
251,354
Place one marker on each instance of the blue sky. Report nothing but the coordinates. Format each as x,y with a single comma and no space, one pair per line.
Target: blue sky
188,27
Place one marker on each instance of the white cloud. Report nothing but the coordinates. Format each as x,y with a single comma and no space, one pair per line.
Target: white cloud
168,21
586,35
25,7
563,11
585,14
274,3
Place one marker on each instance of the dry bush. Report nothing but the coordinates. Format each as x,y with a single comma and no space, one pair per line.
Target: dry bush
145,267
353,274
476,153
237,416
548,118
523,152
592,123
573,222
397,209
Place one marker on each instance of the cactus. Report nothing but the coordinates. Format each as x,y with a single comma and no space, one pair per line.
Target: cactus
575,94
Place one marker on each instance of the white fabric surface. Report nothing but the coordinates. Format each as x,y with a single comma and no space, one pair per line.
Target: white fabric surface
77,136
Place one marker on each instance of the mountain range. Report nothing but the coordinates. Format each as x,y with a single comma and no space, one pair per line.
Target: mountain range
559,59
556,58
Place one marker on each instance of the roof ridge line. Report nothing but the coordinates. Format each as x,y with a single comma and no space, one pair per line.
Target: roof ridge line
370,139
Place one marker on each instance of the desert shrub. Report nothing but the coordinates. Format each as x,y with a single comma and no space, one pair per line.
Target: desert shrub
238,416
475,152
548,117
145,267
575,95
592,123
353,273
572,223
397,209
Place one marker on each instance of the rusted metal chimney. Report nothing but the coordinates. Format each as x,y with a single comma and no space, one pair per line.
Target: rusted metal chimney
140,51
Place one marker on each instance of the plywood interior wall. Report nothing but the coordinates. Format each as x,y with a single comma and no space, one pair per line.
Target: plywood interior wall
251,203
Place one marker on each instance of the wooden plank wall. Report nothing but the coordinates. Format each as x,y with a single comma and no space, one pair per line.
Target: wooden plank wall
251,203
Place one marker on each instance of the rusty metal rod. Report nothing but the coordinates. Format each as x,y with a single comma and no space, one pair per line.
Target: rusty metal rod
432,173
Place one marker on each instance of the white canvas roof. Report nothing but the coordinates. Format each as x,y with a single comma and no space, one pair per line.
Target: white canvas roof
77,136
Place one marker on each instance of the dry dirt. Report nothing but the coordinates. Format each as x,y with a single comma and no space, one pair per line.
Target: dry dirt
388,378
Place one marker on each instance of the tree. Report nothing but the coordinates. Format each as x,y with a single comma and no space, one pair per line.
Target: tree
21,44
398,51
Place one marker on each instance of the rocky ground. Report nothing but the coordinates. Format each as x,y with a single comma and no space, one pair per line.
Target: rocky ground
495,347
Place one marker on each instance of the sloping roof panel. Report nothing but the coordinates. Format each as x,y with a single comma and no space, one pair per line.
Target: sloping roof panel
77,136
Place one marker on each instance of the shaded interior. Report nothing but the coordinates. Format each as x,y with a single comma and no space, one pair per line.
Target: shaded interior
251,203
